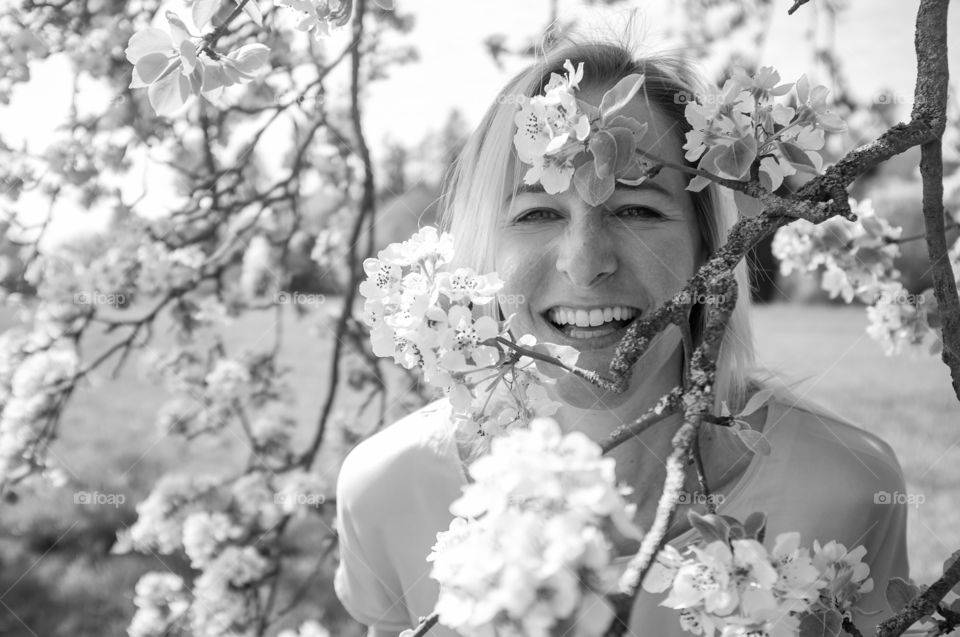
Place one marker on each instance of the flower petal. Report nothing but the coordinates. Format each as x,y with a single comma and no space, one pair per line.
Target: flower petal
149,40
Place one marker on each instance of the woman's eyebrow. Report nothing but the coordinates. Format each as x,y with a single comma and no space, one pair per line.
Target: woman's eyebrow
537,188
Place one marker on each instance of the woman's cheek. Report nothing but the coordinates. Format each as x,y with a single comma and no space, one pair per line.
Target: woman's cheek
518,275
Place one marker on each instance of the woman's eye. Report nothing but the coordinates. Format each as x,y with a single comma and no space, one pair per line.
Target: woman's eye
639,212
537,214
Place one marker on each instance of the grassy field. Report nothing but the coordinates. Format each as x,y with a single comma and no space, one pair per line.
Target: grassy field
56,577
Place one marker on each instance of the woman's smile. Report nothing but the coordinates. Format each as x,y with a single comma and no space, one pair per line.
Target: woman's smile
588,327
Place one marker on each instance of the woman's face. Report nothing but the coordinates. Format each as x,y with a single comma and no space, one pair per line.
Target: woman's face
577,275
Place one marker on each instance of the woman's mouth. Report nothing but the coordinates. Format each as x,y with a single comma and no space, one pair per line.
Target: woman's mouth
591,328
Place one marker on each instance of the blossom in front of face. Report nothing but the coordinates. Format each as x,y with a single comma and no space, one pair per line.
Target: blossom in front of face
427,247
526,549
464,284
551,130
465,337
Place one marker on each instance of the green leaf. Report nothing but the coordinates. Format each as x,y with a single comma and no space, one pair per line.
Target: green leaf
747,206
588,109
203,10
737,158
711,527
150,66
620,95
626,145
756,525
797,156
821,624
900,592
621,121
592,189
756,401
755,441
697,184
603,147
737,531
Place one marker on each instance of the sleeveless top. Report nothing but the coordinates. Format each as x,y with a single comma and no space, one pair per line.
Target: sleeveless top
825,478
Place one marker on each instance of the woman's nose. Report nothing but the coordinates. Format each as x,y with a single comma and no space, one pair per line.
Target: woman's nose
585,253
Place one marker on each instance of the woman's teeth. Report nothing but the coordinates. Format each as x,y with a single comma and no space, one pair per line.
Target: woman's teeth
609,319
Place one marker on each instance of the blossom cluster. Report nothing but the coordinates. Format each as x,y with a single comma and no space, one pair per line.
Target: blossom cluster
731,131
734,128
422,317
555,128
219,524
857,261
527,548
173,64
33,381
734,586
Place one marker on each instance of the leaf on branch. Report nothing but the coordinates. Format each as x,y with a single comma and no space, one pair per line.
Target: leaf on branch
698,183
603,146
203,11
754,440
900,592
710,527
620,95
747,206
756,401
592,189
797,157
755,525
821,624
626,144
734,161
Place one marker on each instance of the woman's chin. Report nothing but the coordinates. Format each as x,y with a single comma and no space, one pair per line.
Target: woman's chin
582,394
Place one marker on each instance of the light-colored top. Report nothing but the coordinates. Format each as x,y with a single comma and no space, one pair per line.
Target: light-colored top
825,478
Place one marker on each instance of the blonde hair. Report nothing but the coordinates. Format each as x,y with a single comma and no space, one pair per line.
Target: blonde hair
475,190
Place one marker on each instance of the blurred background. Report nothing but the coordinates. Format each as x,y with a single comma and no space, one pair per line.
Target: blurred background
434,67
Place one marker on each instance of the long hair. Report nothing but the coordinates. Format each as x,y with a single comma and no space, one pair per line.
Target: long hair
476,187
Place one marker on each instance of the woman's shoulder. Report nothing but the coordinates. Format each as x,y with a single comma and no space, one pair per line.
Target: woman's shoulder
833,446
413,450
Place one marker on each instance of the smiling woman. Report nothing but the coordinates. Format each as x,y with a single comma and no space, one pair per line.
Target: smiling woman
578,274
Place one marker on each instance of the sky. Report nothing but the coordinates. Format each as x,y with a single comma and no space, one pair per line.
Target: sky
874,42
